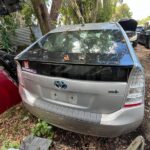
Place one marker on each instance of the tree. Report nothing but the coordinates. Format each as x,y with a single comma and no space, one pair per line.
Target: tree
47,21
56,5
144,21
106,11
27,13
7,24
78,11
122,12
41,12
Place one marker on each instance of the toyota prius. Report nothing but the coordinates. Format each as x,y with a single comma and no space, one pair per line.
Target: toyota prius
84,78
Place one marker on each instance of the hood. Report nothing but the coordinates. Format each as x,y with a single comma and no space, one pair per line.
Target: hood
128,24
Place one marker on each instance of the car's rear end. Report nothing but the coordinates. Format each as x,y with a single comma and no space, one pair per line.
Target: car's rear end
83,79
130,25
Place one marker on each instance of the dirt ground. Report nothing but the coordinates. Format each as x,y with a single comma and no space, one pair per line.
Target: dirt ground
15,125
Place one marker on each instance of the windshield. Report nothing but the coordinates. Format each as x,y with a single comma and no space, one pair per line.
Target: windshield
82,47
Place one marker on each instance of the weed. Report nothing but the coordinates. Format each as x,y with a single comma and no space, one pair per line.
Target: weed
43,129
9,144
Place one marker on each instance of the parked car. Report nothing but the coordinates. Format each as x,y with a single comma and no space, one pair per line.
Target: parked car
139,29
144,38
84,78
130,25
9,95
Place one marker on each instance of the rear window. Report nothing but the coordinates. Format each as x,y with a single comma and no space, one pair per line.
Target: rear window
139,29
81,47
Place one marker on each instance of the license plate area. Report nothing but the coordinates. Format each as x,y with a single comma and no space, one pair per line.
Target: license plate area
66,97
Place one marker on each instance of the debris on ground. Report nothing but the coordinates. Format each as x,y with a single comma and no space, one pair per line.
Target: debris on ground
13,127
137,144
35,143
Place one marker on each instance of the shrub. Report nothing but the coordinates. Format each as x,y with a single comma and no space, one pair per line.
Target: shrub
42,129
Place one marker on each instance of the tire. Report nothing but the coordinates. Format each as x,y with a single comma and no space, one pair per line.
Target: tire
134,43
148,43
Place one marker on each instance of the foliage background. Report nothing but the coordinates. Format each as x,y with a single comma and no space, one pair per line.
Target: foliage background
62,12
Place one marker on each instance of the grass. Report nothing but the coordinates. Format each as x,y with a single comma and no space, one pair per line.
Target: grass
15,124
7,144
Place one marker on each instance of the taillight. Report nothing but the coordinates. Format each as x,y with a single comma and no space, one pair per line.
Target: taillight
136,88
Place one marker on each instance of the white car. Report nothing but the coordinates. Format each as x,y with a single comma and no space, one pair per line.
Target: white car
84,78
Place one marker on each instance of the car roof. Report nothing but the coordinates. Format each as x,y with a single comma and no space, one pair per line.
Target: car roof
140,26
88,26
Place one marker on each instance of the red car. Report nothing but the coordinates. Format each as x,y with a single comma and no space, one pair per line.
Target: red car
9,95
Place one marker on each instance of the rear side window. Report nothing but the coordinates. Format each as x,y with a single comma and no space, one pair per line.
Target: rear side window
81,47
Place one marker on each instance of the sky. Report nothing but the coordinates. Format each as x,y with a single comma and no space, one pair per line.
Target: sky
139,8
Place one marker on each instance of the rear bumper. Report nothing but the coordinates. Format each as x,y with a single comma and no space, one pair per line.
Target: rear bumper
105,125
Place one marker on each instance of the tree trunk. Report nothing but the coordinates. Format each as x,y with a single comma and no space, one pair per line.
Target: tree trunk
41,12
75,7
56,5
95,12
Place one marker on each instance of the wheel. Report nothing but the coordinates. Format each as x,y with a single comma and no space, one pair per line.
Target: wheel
134,43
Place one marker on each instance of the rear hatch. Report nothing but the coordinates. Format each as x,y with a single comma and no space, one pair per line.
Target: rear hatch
129,24
94,80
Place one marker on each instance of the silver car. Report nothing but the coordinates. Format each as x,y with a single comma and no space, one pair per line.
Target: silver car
84,78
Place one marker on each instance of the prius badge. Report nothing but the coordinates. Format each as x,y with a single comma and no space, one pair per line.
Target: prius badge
60,84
